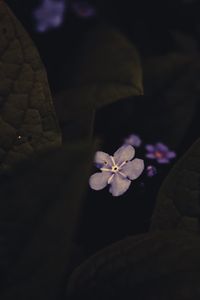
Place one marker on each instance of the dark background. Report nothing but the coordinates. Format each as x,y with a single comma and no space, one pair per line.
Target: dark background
148,24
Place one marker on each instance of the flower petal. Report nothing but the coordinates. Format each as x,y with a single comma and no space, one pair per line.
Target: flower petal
133,140
49,14
98,181
124,153
161,147
83,9
133,169
56,21
150,148
171,154
150,155
119,185
103,159
42,27
163,160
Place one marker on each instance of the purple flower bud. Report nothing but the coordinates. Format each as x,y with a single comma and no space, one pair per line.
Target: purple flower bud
49,14
133,140
151,171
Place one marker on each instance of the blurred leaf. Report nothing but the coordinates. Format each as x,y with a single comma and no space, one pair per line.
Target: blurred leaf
110,64
28,121
178,203
171,84
108,70
185,43
162,265
79,126
42,197
45,197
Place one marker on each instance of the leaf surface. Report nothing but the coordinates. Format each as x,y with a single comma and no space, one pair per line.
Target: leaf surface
43,200
28,122
178,203
108,70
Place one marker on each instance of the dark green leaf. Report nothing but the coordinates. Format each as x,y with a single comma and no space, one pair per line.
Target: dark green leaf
171,84
162,265
42,197
45,197
28,121
109,70
185,43
178,203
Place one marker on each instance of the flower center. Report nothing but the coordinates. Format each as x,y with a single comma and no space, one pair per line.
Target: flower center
159,154
115,169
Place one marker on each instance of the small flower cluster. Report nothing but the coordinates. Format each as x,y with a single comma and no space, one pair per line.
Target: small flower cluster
119,170
159,152
50,13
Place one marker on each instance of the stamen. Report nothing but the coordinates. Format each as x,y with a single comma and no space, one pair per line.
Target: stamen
110,179
115,169
159,154
105,170
122,164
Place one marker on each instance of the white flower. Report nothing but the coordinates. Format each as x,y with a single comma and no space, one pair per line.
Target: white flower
117,170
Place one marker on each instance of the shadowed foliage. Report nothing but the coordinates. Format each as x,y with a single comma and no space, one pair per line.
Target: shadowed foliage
43,182
28,121
108,70
41,195
178,203
44,201
162,265
171,85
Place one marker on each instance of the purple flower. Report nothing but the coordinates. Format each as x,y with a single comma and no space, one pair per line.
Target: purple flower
133,140
160,152
83,9
151,171
49,14
117,170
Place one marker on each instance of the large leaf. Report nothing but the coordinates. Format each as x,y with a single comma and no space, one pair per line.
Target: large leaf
163,265
108,70
178,204
185,43
28,122
43,200
171,85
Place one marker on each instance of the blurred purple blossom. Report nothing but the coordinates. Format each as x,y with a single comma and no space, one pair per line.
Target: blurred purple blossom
133,140
160,152
49,14
151,171
117,170
83,9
